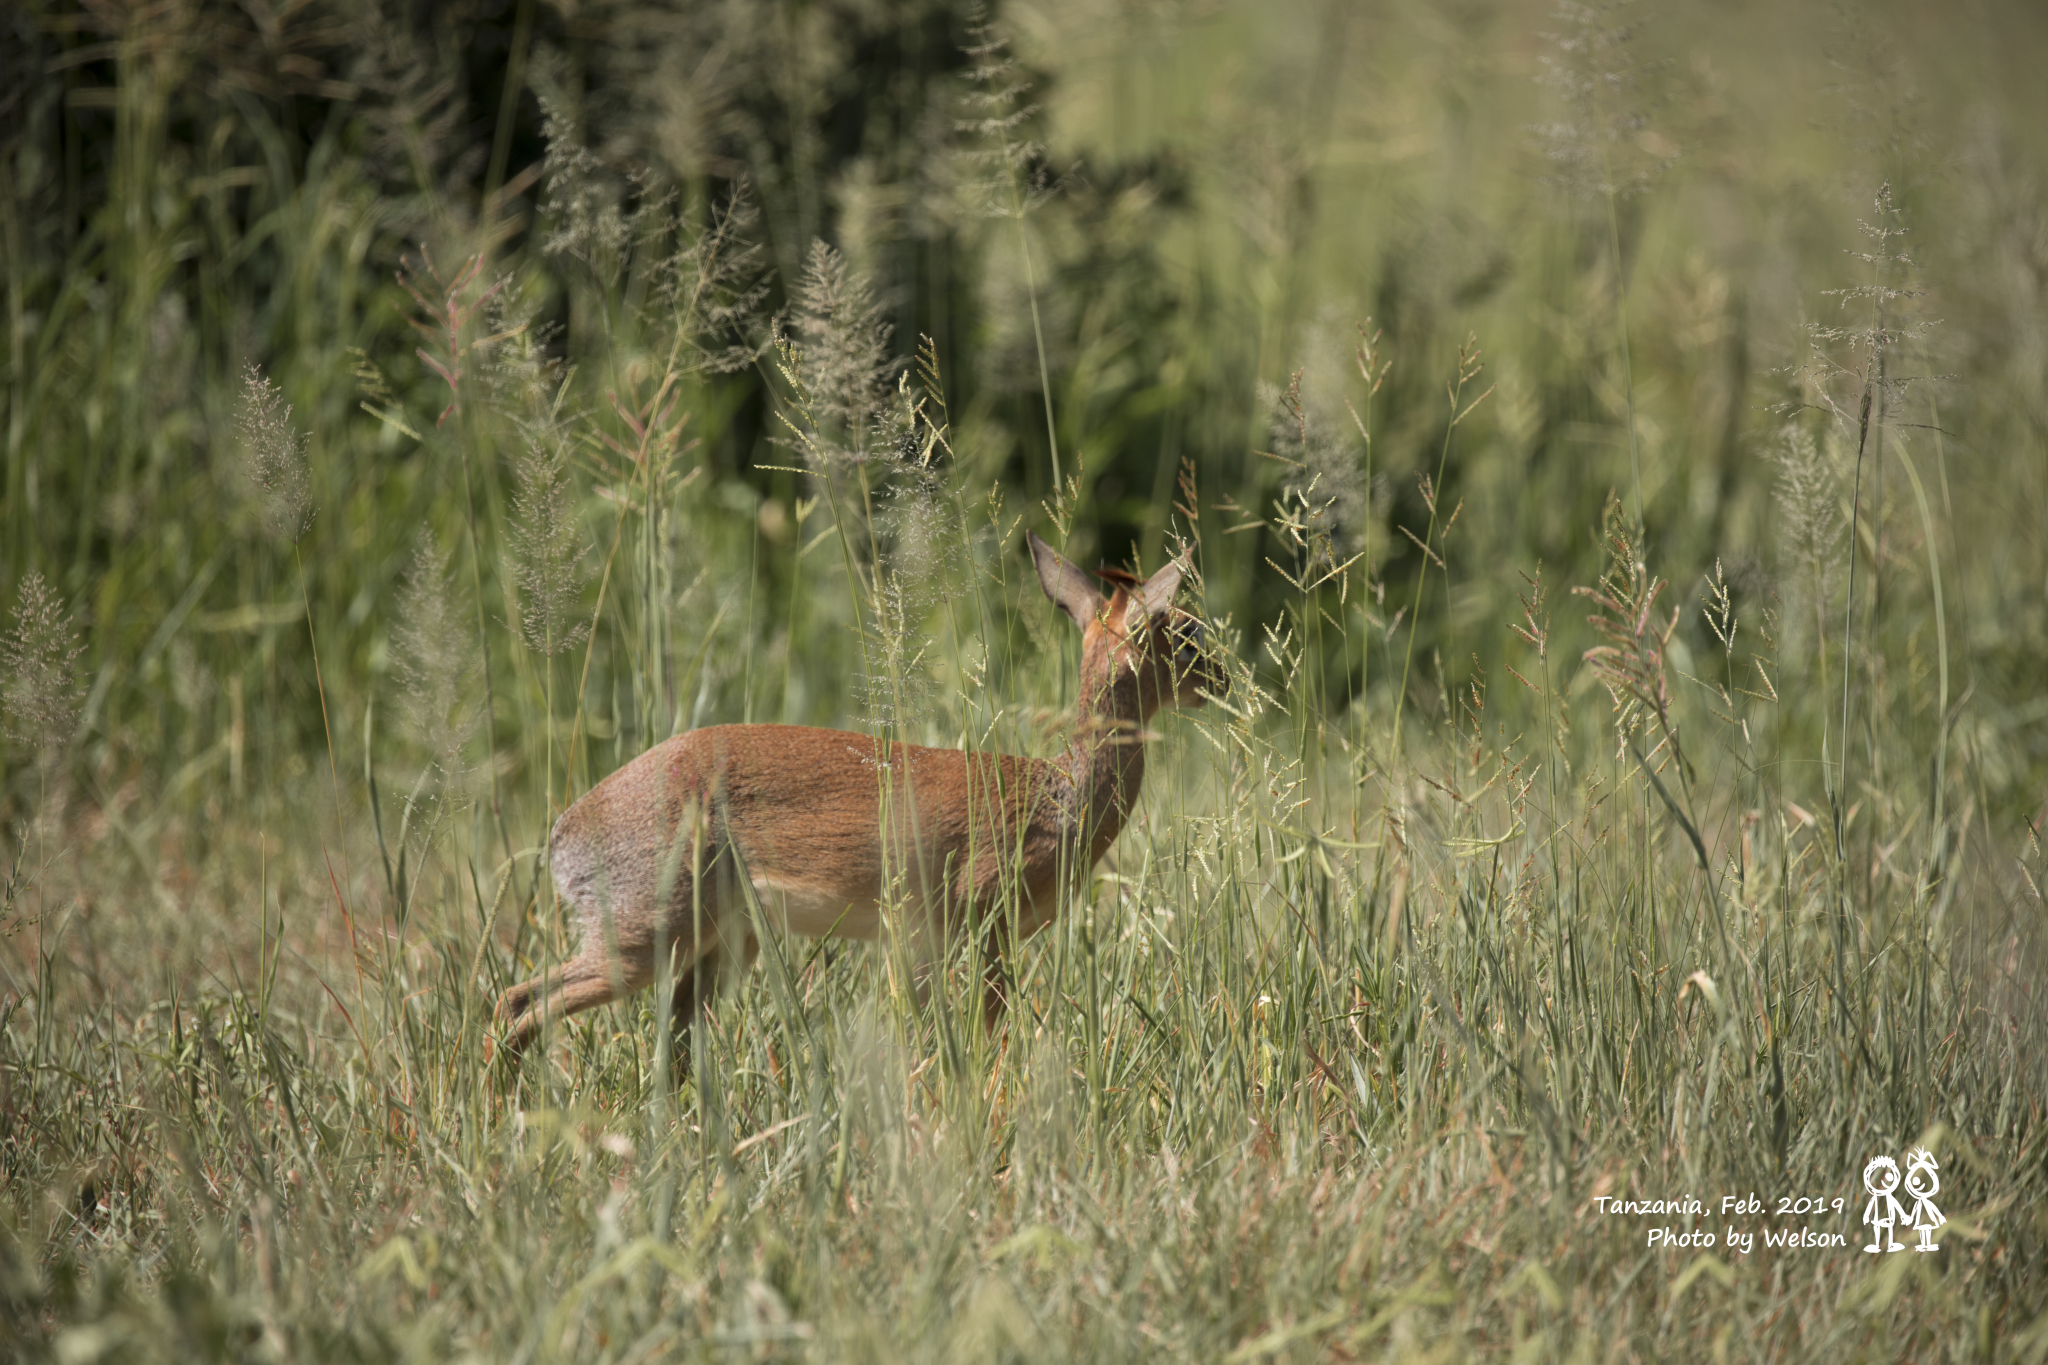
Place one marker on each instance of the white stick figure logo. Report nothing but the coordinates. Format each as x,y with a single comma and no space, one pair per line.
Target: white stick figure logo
1922,1184
1883,1213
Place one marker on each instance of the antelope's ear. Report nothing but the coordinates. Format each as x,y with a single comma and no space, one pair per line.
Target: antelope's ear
1068,587
1157,593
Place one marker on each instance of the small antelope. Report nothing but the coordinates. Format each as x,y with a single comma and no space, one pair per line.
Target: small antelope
825,824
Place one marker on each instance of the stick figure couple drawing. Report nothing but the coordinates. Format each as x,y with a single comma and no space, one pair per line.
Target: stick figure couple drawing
1883,1212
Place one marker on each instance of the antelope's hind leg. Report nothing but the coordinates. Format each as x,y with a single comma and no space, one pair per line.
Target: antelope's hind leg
1002,927
710,937
696,990
595,976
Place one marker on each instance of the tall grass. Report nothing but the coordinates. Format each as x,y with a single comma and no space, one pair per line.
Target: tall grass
1625,790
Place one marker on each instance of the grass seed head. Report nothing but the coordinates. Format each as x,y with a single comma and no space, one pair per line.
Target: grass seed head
436,663
547,547
844,361
40,658
274,453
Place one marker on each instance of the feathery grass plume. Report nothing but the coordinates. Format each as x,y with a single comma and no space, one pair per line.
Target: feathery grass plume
1471,366
40,658
1724,621
446,307
713,287
1604,150
1809,500
1850,371
1630,662
1327,507
1848,368
899,693
920,548
39,696
548,550
1870,387
583,200
415,117
583,205
525,381
274,453
1718,610
1534,629
921,526
1874,100
842,367
1003,172
1809,520
1604,147
435,659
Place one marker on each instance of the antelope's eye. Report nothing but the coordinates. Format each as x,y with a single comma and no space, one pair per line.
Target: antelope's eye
1186,635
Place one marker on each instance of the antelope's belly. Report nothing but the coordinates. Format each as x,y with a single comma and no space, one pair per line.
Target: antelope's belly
817,912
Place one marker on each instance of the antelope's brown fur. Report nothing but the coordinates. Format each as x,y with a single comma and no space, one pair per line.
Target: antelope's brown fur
816,821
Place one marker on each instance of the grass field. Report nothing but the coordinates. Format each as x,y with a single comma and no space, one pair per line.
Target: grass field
1611,452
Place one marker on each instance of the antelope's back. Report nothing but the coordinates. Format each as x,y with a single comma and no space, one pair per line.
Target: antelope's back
805,810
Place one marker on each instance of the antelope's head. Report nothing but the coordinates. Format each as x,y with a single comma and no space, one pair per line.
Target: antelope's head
1135,631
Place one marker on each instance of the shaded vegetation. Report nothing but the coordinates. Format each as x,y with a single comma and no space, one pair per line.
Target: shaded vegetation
1611,448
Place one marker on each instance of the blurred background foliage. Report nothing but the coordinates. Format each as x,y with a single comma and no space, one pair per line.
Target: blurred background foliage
1136,221
413,411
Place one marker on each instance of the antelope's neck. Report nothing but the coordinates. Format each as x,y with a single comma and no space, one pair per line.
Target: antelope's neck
1106,761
